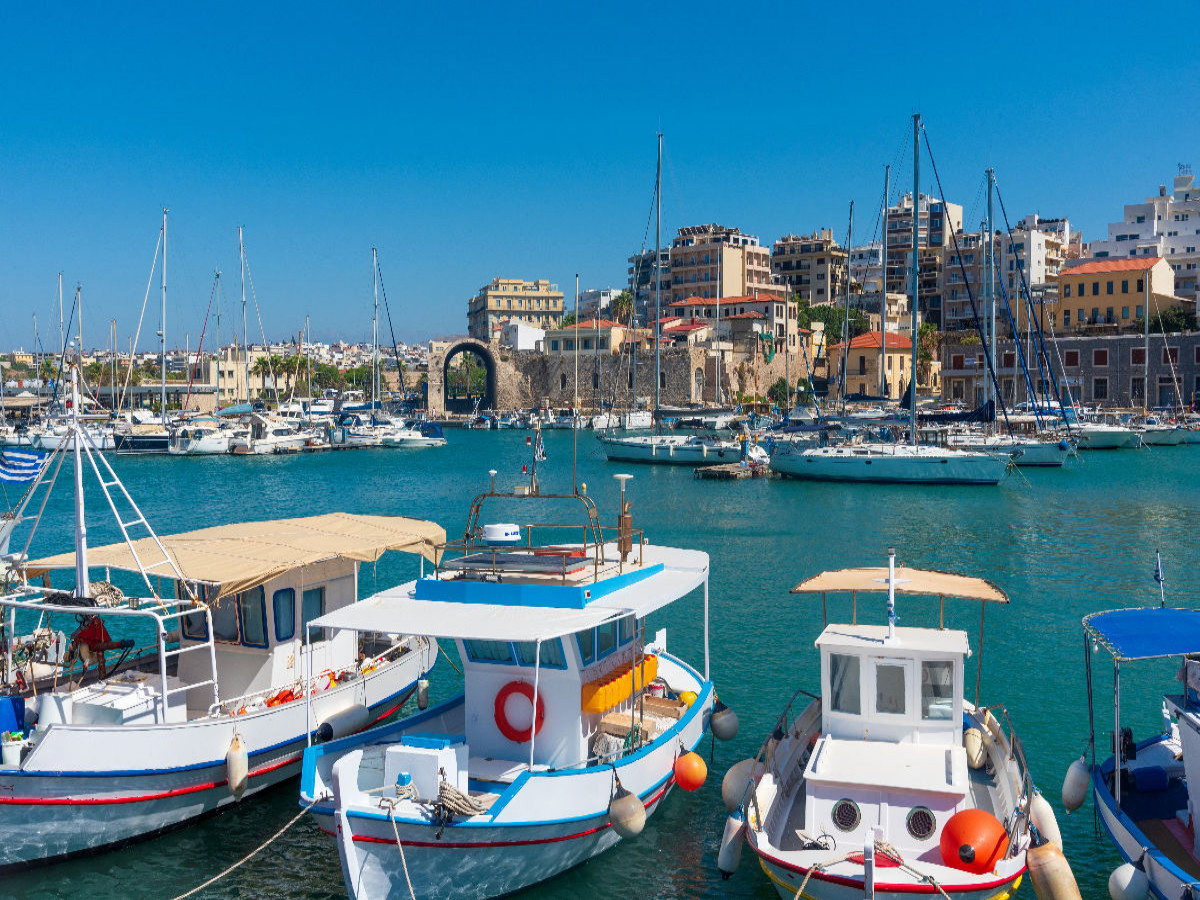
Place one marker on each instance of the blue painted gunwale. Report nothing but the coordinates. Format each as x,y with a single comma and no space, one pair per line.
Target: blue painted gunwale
563,596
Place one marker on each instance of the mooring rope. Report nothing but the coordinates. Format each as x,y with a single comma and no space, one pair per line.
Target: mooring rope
249,856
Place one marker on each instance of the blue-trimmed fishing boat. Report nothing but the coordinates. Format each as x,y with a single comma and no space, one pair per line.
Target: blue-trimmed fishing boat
1144,791
572,727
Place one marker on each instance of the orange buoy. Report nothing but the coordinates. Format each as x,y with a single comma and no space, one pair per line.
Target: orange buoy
973,841
690,771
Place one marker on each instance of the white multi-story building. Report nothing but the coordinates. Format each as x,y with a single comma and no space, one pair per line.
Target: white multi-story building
866,266
596,301
1168,226
641,281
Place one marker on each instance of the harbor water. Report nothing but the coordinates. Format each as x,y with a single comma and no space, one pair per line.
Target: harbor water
1061,543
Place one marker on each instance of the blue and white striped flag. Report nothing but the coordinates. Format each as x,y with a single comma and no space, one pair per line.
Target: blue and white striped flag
539,448
21,466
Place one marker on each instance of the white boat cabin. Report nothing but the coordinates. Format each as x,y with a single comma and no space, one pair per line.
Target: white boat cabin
258,635
891,750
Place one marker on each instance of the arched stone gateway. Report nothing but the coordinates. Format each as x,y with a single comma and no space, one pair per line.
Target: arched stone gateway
439,366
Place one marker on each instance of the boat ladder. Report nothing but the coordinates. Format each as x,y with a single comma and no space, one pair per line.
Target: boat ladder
164,653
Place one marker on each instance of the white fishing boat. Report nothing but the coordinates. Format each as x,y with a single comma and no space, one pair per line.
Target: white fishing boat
1154,432
679,450
889,463
402,434
1146,791
890,783
223,693
573,725
603,421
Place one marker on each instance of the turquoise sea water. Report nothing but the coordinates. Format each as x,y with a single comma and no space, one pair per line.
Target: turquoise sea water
1061,543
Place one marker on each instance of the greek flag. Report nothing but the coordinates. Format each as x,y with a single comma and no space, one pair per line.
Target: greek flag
1158,572
539,448
21,466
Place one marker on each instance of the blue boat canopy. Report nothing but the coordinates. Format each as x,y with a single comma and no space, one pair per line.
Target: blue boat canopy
1146,632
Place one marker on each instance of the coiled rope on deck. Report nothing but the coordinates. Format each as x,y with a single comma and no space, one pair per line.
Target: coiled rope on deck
883,848
249,856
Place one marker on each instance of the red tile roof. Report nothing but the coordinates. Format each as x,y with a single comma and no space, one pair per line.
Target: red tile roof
591,323
1097,266
680,329
870,340
695,301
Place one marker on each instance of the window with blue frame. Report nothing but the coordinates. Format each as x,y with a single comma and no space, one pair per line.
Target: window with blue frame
225,620
587,645
252,616
312,606
283,608
552,654
606,639
628,627
489,652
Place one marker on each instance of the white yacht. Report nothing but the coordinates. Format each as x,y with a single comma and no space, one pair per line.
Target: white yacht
199,438
269,435
889,463
678,450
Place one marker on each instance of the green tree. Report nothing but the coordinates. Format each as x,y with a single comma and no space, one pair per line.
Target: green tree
834,319
929,342
568,320
622,308
778,392
1169,320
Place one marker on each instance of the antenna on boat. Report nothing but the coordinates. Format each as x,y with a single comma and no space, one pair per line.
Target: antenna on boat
624,521
891,593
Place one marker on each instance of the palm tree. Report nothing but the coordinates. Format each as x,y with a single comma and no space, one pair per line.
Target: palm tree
261,368
622,308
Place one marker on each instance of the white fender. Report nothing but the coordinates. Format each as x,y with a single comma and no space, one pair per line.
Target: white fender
350,720
1075,785
237,766
730,855
1041,814
1128,882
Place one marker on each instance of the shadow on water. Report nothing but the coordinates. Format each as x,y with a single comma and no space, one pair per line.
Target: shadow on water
1061,544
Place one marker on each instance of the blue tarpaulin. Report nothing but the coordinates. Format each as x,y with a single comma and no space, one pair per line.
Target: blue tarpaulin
1146,632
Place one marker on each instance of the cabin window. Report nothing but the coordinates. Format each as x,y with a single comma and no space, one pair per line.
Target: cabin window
489,651
606,639
628,626
312,606
889,689
283,606
552,654
225,620
587,645
252,616
937,690
844,683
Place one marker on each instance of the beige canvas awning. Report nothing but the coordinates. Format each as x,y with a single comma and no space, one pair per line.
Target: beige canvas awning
242,556
908,581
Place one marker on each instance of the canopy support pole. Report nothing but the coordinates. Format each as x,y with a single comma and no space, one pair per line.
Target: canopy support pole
706,676
308,691
979,658
537,671
854,600
824,615
941,611
1117,730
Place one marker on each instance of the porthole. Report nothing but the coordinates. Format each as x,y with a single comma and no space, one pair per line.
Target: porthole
846,815
921,823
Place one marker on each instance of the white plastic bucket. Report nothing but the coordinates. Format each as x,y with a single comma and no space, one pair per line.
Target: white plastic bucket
10,752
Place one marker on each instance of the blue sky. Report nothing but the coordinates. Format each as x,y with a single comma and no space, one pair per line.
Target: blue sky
468,141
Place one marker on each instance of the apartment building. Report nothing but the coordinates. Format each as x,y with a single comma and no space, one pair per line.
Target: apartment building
537,303
1166,226
779,316
597,301
813,267
866,267
863,358
641,280
937,222
715,261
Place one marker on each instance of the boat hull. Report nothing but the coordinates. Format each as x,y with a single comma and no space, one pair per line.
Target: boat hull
544,823
668,451
1163,437
848,464
787,880
1106,438
90,788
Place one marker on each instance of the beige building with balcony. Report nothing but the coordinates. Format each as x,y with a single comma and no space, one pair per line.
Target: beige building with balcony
714,261
863,359
537,303
813,267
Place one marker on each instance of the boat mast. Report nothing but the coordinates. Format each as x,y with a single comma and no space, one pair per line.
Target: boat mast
62,338
658,288
162,334
916,231
245,327
846,320
82,584
989,293
218,339
1146,342
375,333
887,187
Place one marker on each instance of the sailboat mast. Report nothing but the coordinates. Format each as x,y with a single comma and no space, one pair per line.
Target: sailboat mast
375,332
218,342
658,284
1146,342
62,338
916,231
887,187
989,286
82,583
846,320
245,326
162,335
